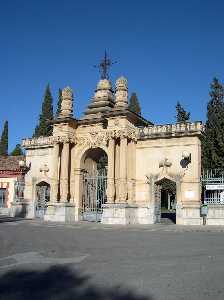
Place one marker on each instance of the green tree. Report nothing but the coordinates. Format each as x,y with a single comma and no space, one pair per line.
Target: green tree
17,151
181,114
134,104
44,128
213,138
4,140
59,102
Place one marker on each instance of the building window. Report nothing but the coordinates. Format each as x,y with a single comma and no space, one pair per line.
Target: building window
3,198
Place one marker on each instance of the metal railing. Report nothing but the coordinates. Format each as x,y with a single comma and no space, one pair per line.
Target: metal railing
213,186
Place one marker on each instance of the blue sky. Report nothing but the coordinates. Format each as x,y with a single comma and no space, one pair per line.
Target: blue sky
168,50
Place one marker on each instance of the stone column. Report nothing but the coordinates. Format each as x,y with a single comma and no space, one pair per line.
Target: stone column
55,181
78,175
123,170
110,173
72,174
131,171
117,170
64,172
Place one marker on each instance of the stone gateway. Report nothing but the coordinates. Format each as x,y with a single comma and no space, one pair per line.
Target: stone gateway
112,165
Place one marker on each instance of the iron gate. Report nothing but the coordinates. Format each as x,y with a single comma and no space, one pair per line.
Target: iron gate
43,196
94,194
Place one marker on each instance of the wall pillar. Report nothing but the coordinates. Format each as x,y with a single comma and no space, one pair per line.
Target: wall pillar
110,173
78,176
131,171
123,170
72,175
55,179
117,169
64,173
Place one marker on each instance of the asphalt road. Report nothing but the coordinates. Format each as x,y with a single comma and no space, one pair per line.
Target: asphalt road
94,261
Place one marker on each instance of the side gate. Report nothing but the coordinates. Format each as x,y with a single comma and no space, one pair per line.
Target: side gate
42,197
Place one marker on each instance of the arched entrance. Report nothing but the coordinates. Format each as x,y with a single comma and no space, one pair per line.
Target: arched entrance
42,197
94,167
166,200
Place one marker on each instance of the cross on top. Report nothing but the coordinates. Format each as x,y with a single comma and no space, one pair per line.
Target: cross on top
104,66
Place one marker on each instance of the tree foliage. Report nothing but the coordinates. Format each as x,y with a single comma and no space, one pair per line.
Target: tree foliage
4,140
213,138
17,151
181,114
44,128
134,104
59,102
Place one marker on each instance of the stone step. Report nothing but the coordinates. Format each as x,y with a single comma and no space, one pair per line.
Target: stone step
166,221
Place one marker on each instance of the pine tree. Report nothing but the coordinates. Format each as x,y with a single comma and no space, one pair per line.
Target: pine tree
134,104
17,151
213,138
4,140
44,128
59,102
181,115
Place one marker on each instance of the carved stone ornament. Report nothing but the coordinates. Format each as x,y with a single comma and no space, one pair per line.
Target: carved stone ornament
44,169
121,93
104,84
47,141
97,138
121,84
67,103
65,139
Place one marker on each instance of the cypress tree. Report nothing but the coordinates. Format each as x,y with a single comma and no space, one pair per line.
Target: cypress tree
181,114
4,140
213,138
59,102
44,128
134,104
17,151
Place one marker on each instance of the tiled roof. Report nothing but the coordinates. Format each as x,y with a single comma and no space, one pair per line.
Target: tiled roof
10,163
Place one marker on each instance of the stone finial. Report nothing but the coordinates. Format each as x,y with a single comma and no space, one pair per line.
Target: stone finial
104,84
66,103
121,93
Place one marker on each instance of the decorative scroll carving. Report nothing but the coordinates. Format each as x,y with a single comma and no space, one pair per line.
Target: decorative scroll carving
97,138
92,139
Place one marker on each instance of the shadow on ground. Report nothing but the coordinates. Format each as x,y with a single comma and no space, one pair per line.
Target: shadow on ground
5,219
57,283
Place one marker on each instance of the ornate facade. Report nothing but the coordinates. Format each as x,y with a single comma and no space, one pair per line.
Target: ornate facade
139,156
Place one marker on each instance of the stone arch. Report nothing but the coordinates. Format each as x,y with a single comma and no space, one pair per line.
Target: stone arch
81,154
172,177
42,180
94,155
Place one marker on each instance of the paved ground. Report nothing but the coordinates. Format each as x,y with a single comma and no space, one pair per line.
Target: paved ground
94,261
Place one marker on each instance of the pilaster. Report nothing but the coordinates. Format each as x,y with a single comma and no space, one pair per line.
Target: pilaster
110,174
64,173
55,180
123,170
